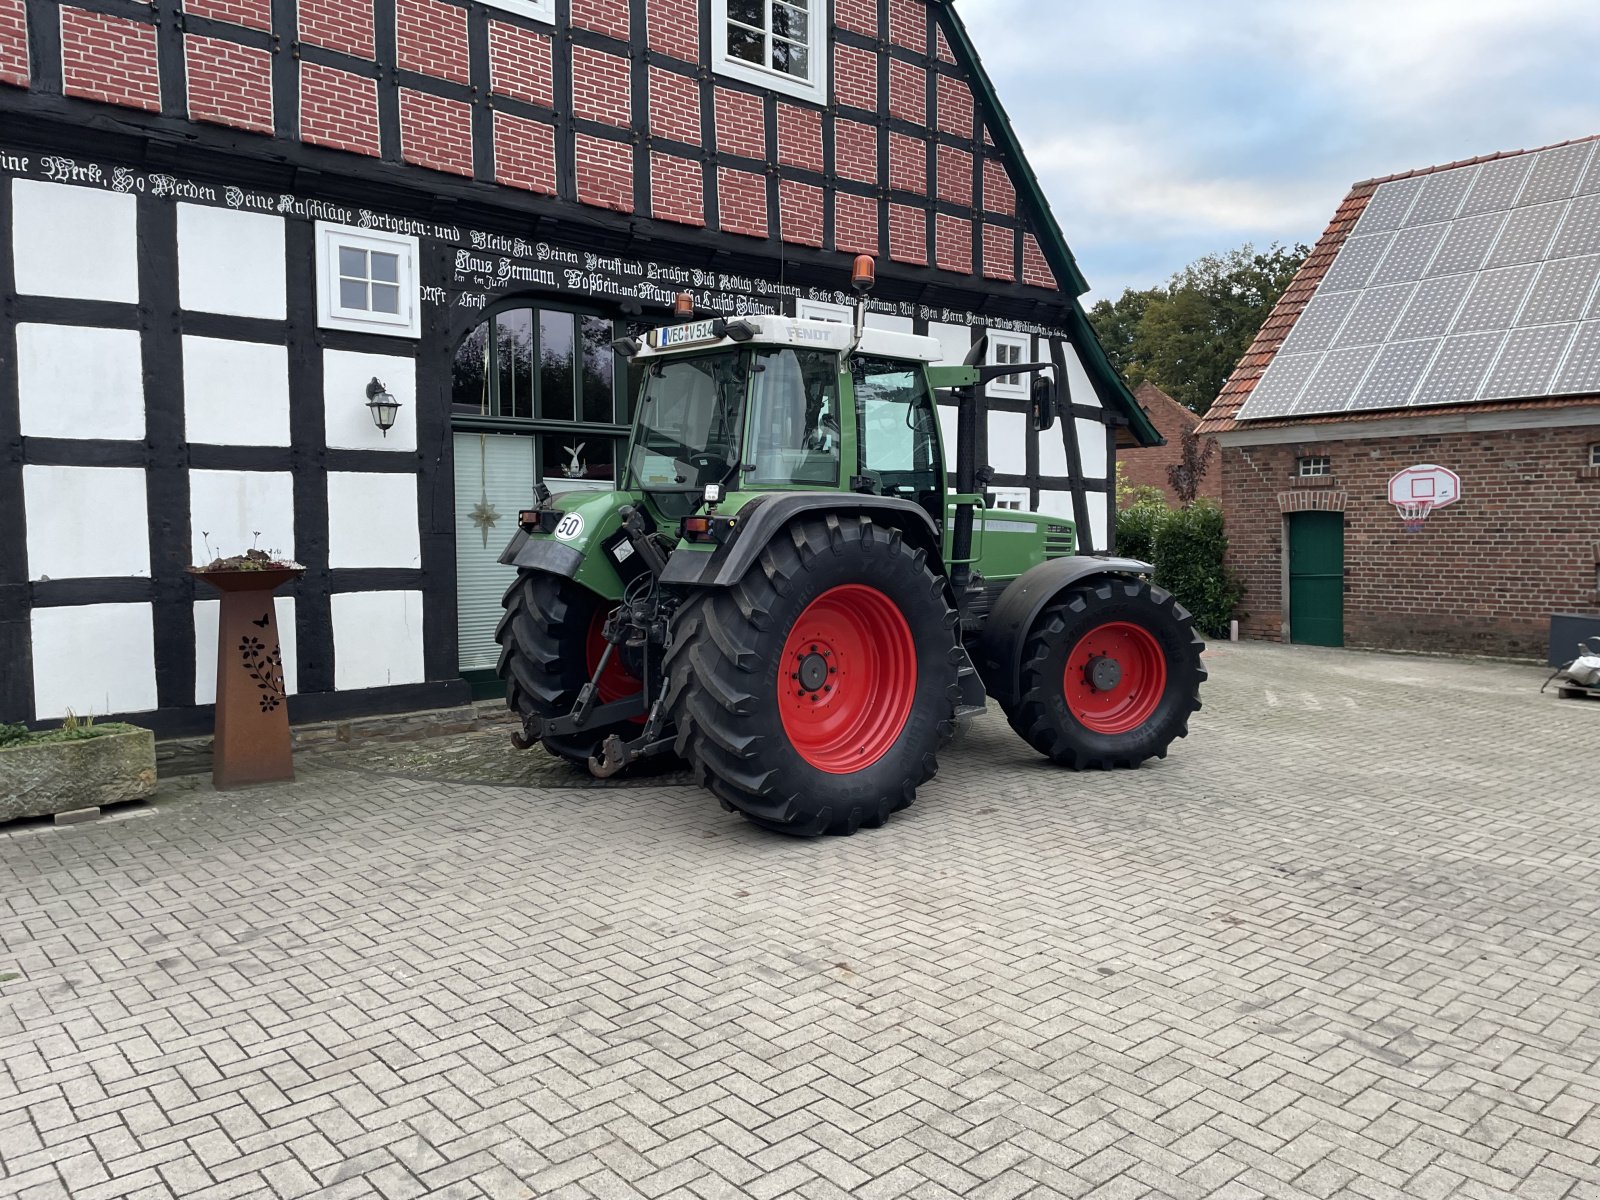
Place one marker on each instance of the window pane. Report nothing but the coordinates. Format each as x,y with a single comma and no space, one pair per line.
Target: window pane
577,456
514,348
555,366
790,59
598,363
386,268
789,21
469,391
750,47
895,429
748,12
353,294
385,298
793,430
352,262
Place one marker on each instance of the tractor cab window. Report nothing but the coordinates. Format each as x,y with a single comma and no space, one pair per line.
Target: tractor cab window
688,424
793,431
896,438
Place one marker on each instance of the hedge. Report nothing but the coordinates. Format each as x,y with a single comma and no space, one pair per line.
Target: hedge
1187,546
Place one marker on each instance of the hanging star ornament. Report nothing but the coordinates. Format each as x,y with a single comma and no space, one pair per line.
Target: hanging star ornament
484,515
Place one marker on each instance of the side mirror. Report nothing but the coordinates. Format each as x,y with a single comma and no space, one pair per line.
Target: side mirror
1043,403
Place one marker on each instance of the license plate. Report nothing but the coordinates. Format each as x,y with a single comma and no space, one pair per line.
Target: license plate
669,336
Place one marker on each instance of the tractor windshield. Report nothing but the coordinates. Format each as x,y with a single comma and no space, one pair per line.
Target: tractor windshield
689,422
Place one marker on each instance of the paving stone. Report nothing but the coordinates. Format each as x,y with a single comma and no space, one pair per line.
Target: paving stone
1338,943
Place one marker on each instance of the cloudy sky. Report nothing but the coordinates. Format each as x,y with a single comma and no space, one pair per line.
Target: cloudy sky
1167,129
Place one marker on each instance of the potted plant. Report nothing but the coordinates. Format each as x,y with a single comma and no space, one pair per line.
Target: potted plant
81,765
251,739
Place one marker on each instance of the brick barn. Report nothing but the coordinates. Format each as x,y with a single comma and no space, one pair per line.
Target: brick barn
221,221
1411,447
1148,466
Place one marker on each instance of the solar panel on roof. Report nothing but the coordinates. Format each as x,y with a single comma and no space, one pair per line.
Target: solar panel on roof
1581,371
1555,173
1457,373
1561,291
1527,235
1497,186
1388,207
1394,376
1508,257
1409,255
1528,362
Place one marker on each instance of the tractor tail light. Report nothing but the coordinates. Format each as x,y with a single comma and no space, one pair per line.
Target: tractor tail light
706,529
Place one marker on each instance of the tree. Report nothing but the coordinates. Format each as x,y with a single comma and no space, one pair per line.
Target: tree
1187,336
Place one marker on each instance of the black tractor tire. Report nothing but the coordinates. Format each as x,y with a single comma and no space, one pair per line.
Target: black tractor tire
545,642
770,727
1067,717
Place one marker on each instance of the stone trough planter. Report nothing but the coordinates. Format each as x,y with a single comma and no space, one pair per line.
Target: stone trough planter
41,778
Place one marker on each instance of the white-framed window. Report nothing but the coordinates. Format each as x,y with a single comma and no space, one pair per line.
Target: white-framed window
1594,455
778,44
1314,466
1011,499
367,281
822,310
539,10
1009,348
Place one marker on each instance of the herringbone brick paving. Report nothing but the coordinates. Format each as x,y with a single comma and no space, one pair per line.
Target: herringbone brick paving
1343,942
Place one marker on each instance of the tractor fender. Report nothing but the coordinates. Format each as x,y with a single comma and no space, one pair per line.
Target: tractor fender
999,658
765,517
541,554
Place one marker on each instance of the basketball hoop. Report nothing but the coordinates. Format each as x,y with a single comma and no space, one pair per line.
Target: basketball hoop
1414,513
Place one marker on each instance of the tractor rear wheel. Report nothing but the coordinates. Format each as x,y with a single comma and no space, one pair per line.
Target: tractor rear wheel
1110,675
551,639
813,695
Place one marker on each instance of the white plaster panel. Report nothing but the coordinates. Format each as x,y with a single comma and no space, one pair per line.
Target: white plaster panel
349,426
235,511
377,639
230,262
235,393
77,242
1092,447
94,659
85,522
1053,448
1008,443
954,342
205,647
80,382
1057,504
1099,519
1078,378
372,520
949,417
890,322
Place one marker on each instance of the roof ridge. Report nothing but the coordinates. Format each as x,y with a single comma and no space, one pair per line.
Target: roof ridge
1472,162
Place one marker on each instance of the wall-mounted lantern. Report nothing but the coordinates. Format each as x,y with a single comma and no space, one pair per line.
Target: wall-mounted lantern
382,406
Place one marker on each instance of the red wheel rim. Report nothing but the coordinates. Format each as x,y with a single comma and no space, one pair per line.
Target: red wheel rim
1115,677
616,681
846,679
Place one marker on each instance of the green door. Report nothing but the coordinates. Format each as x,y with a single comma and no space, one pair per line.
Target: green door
1316,578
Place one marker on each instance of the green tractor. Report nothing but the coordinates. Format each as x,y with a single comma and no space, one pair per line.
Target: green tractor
784,592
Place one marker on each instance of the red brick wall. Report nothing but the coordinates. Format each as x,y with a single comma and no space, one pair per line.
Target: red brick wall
14,43
109,59
343,25
256,14
677,189
519,63
1147,466
524,153
605,173
1484,574
742,200
229,84
431,39
600,88
435,132
338,109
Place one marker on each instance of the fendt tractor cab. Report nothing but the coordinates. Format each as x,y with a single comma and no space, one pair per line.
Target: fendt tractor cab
784,591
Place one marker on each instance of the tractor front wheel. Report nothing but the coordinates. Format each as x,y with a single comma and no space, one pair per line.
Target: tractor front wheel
1110,675
813,695
551,637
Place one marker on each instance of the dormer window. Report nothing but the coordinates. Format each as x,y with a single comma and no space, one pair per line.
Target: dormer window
777,44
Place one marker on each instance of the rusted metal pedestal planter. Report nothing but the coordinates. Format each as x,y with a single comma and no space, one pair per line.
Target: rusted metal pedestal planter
251,744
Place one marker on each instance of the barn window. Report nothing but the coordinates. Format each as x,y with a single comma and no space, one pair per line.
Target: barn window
778,44
1594,455
539,10
1005,348
1314,466
367,281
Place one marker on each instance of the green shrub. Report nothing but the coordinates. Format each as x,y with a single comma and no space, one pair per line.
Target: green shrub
1188,547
